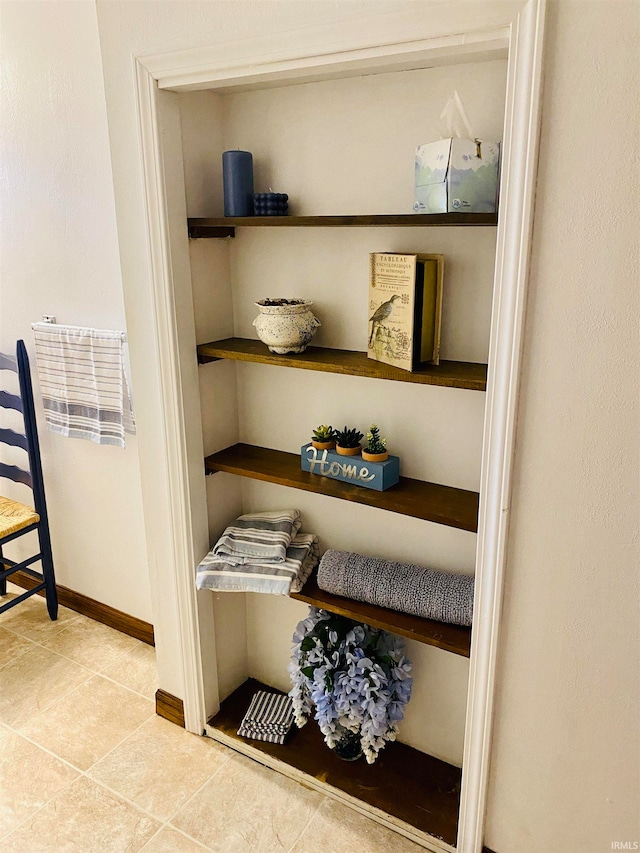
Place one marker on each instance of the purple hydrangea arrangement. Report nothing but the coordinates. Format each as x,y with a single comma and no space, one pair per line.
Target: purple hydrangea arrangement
357,677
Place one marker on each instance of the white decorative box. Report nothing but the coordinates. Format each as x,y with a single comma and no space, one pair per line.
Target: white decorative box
457,175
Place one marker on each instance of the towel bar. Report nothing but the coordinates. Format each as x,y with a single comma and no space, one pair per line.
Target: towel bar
50,321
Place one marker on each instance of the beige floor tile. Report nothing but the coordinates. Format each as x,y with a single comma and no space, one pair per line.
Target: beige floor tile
89,721
4,730
29,777
84,818
336,828
160,766
247,808
171,841
12,645
33,682
91,643
31,620
136,669
12,592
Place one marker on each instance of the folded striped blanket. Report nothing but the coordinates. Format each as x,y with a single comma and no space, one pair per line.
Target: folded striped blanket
432,594
256,576
262,535
83,383
269,717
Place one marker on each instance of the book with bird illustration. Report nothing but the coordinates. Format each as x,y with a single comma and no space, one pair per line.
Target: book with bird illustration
405,309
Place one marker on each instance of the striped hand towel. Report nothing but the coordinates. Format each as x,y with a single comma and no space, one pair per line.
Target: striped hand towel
262,535
269,717
256,576
83,383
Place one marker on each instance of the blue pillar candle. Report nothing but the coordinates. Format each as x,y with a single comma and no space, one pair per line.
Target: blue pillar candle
237,178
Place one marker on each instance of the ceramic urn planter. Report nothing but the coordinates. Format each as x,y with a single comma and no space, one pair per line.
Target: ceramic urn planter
286,325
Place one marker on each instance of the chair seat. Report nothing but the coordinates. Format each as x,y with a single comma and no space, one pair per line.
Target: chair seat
15,516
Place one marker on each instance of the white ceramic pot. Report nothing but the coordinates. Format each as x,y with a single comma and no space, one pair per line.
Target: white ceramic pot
286,328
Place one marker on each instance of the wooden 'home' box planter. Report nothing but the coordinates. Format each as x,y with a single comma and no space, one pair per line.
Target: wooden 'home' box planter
351,469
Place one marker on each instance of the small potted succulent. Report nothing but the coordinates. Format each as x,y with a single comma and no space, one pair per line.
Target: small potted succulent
323,438
376,447
348,441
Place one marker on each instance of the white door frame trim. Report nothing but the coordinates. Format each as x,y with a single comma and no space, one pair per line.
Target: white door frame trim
201,69
193,69
517,195
173,508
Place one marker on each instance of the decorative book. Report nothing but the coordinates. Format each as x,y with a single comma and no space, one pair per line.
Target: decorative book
405,309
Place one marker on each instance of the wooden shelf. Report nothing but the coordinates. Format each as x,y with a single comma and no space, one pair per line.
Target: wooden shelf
224,226
451,638
450,374
410,786
416,498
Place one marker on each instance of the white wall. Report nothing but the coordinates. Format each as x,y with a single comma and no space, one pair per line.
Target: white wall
565,772
59,255
563,776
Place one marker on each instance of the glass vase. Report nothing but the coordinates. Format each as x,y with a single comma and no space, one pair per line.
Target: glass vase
348,747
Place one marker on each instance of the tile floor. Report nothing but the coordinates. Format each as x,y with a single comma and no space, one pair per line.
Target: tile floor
86,765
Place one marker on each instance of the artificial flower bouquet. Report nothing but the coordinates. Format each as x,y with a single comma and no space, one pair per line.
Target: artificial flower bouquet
357,677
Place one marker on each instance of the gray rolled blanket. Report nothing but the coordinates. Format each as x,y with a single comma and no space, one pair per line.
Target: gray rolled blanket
443,596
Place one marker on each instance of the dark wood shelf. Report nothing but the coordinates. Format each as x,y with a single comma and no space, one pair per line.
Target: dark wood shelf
451,638
409,785
450,374
416,498
224,226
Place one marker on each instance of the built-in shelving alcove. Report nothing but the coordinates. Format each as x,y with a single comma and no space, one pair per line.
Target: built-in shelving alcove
343,151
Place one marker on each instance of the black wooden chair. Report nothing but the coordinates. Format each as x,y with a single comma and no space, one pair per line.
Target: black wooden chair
17,519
